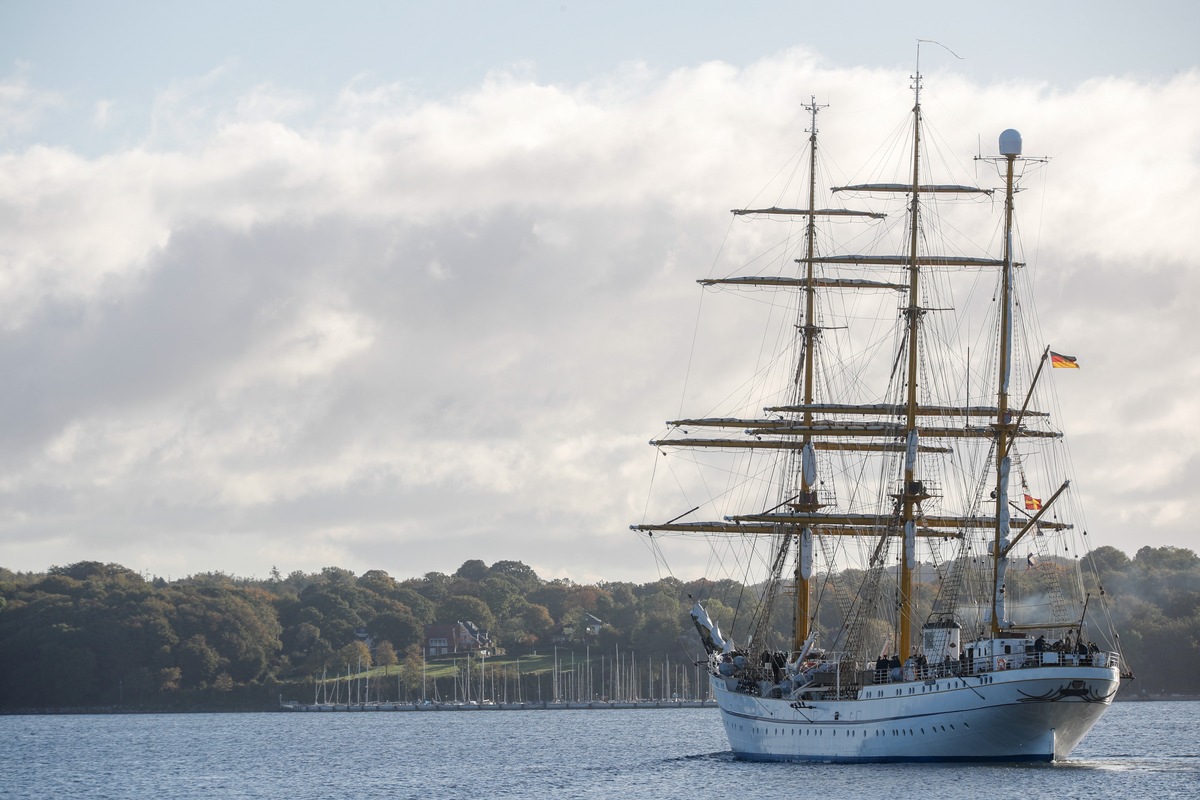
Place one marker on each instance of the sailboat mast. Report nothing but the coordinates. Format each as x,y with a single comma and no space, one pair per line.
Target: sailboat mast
1010,148
911,491
808,496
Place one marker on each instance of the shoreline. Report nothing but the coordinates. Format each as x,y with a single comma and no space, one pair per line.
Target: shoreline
598,705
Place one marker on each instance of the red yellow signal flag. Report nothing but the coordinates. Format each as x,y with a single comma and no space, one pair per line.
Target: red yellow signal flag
1032,503
1064,362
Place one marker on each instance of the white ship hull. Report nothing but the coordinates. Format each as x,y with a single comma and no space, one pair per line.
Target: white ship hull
1031,714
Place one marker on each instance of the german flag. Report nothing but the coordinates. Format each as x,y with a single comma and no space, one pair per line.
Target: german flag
1032,503
1064,362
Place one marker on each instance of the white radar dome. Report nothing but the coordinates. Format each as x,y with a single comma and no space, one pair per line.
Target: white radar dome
1010,143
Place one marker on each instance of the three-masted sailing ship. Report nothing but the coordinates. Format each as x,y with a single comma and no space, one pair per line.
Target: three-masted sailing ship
901,489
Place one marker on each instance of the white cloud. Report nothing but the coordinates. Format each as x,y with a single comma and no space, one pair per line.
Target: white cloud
22,105
102,114
401,333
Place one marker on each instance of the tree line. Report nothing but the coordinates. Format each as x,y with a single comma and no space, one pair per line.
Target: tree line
92,635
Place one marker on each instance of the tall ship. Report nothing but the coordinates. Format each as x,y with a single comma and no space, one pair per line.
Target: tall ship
899,558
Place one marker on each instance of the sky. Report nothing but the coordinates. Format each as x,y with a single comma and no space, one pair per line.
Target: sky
397,285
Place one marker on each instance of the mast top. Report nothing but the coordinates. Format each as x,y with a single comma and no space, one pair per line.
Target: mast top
1010,143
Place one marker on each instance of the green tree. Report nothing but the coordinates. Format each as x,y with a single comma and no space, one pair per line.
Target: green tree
473,570
434,586
353,656
464,608
412,671
500,594
198,663
1173,558
337,576
1104,560
385,654
379,582
521,576
397,627
317,658
422,610
526,624
240,625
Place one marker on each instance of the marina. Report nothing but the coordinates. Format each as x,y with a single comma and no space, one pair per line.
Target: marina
292,705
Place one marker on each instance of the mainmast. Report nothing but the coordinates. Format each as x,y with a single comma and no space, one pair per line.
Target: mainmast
807,502
912,491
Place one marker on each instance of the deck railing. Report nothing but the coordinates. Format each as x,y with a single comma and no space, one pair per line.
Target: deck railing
998,663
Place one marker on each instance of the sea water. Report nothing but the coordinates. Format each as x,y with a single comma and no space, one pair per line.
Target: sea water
1145,749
